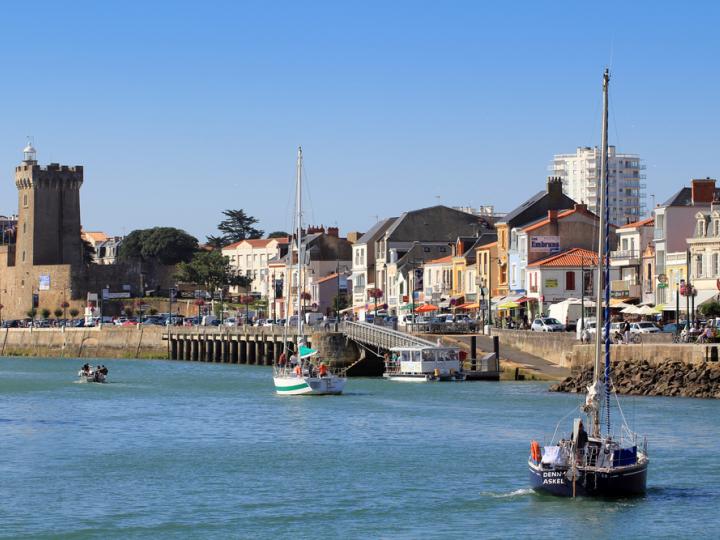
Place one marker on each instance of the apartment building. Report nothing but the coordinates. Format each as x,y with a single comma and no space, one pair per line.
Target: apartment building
580,174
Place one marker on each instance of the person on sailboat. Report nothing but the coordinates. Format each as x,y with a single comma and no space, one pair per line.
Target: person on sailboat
282,359
582,440
323,369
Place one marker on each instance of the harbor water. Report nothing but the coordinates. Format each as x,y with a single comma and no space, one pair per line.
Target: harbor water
188,450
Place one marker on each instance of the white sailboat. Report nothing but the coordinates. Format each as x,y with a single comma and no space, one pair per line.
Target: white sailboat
301,374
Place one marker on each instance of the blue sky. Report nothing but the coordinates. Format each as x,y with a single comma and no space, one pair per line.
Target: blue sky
179,110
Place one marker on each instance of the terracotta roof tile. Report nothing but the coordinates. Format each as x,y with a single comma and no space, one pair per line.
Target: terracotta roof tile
440,260
643,223
571,257
327,278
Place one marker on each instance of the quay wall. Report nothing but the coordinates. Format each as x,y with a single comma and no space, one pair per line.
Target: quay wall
241,345
105,342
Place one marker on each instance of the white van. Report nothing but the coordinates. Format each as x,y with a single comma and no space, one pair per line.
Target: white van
313,318
209,320
567,312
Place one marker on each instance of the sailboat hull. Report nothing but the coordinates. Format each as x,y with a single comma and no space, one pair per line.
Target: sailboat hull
620,482
309,386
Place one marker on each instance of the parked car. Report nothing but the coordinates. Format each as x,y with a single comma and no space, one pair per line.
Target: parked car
547,324
644,327
673,328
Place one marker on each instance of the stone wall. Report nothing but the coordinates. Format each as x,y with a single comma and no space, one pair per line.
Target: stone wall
560,347
105,342
582,356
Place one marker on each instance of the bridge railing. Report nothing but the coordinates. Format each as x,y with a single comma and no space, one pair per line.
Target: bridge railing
380,337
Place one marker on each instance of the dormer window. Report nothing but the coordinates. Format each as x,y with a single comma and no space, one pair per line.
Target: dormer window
700,230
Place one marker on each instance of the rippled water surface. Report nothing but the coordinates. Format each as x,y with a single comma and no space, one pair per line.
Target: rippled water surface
187,450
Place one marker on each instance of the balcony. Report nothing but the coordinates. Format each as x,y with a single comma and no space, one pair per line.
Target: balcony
623,288
625,258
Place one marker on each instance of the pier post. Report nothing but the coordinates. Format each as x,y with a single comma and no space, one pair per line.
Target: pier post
260,344
193,349
173,348
234,358
242,345
252,352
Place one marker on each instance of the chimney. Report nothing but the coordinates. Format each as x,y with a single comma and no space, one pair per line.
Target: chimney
554,186
703,190
581,207
333,231
553,219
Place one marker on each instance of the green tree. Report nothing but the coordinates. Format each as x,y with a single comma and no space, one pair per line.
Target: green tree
211,270
236,226
45,312
166,245
31,313
710,309
74,312
58,313
340,302
88,252
278,234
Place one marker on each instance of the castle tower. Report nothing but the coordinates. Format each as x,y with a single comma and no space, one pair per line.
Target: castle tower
48,230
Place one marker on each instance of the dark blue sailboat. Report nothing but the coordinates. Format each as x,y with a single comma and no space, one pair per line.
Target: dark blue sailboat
601,464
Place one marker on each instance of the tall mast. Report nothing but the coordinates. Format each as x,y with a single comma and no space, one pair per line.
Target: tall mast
602,241
298,235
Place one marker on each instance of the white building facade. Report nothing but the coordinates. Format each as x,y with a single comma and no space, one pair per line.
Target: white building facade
250,258
580,174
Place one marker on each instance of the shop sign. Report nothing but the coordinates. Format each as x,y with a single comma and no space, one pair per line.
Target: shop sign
551,283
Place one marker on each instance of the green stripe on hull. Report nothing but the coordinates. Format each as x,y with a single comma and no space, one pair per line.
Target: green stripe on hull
291,388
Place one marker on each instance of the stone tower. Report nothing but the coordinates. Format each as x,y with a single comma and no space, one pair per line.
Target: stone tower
48,230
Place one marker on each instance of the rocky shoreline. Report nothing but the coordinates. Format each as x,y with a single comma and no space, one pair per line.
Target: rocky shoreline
645,379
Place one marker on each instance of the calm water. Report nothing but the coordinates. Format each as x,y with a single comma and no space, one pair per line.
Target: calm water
183,450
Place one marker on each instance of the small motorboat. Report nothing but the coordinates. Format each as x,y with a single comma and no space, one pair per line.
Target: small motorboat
89,374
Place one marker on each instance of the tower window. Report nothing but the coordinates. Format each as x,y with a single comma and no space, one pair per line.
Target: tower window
24,227
23,256
25,203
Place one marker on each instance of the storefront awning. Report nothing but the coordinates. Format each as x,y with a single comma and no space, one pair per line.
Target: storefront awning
705,296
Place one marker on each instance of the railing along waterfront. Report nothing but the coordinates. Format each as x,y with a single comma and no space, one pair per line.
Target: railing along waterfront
379,337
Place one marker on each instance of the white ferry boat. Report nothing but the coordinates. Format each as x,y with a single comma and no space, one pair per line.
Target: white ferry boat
423,364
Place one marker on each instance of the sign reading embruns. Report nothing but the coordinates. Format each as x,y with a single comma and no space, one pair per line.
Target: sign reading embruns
544,244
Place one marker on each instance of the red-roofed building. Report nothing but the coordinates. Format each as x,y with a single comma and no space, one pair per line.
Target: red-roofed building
251,258
558,231
559,277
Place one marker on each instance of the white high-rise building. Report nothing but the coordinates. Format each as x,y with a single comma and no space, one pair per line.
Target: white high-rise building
580,174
